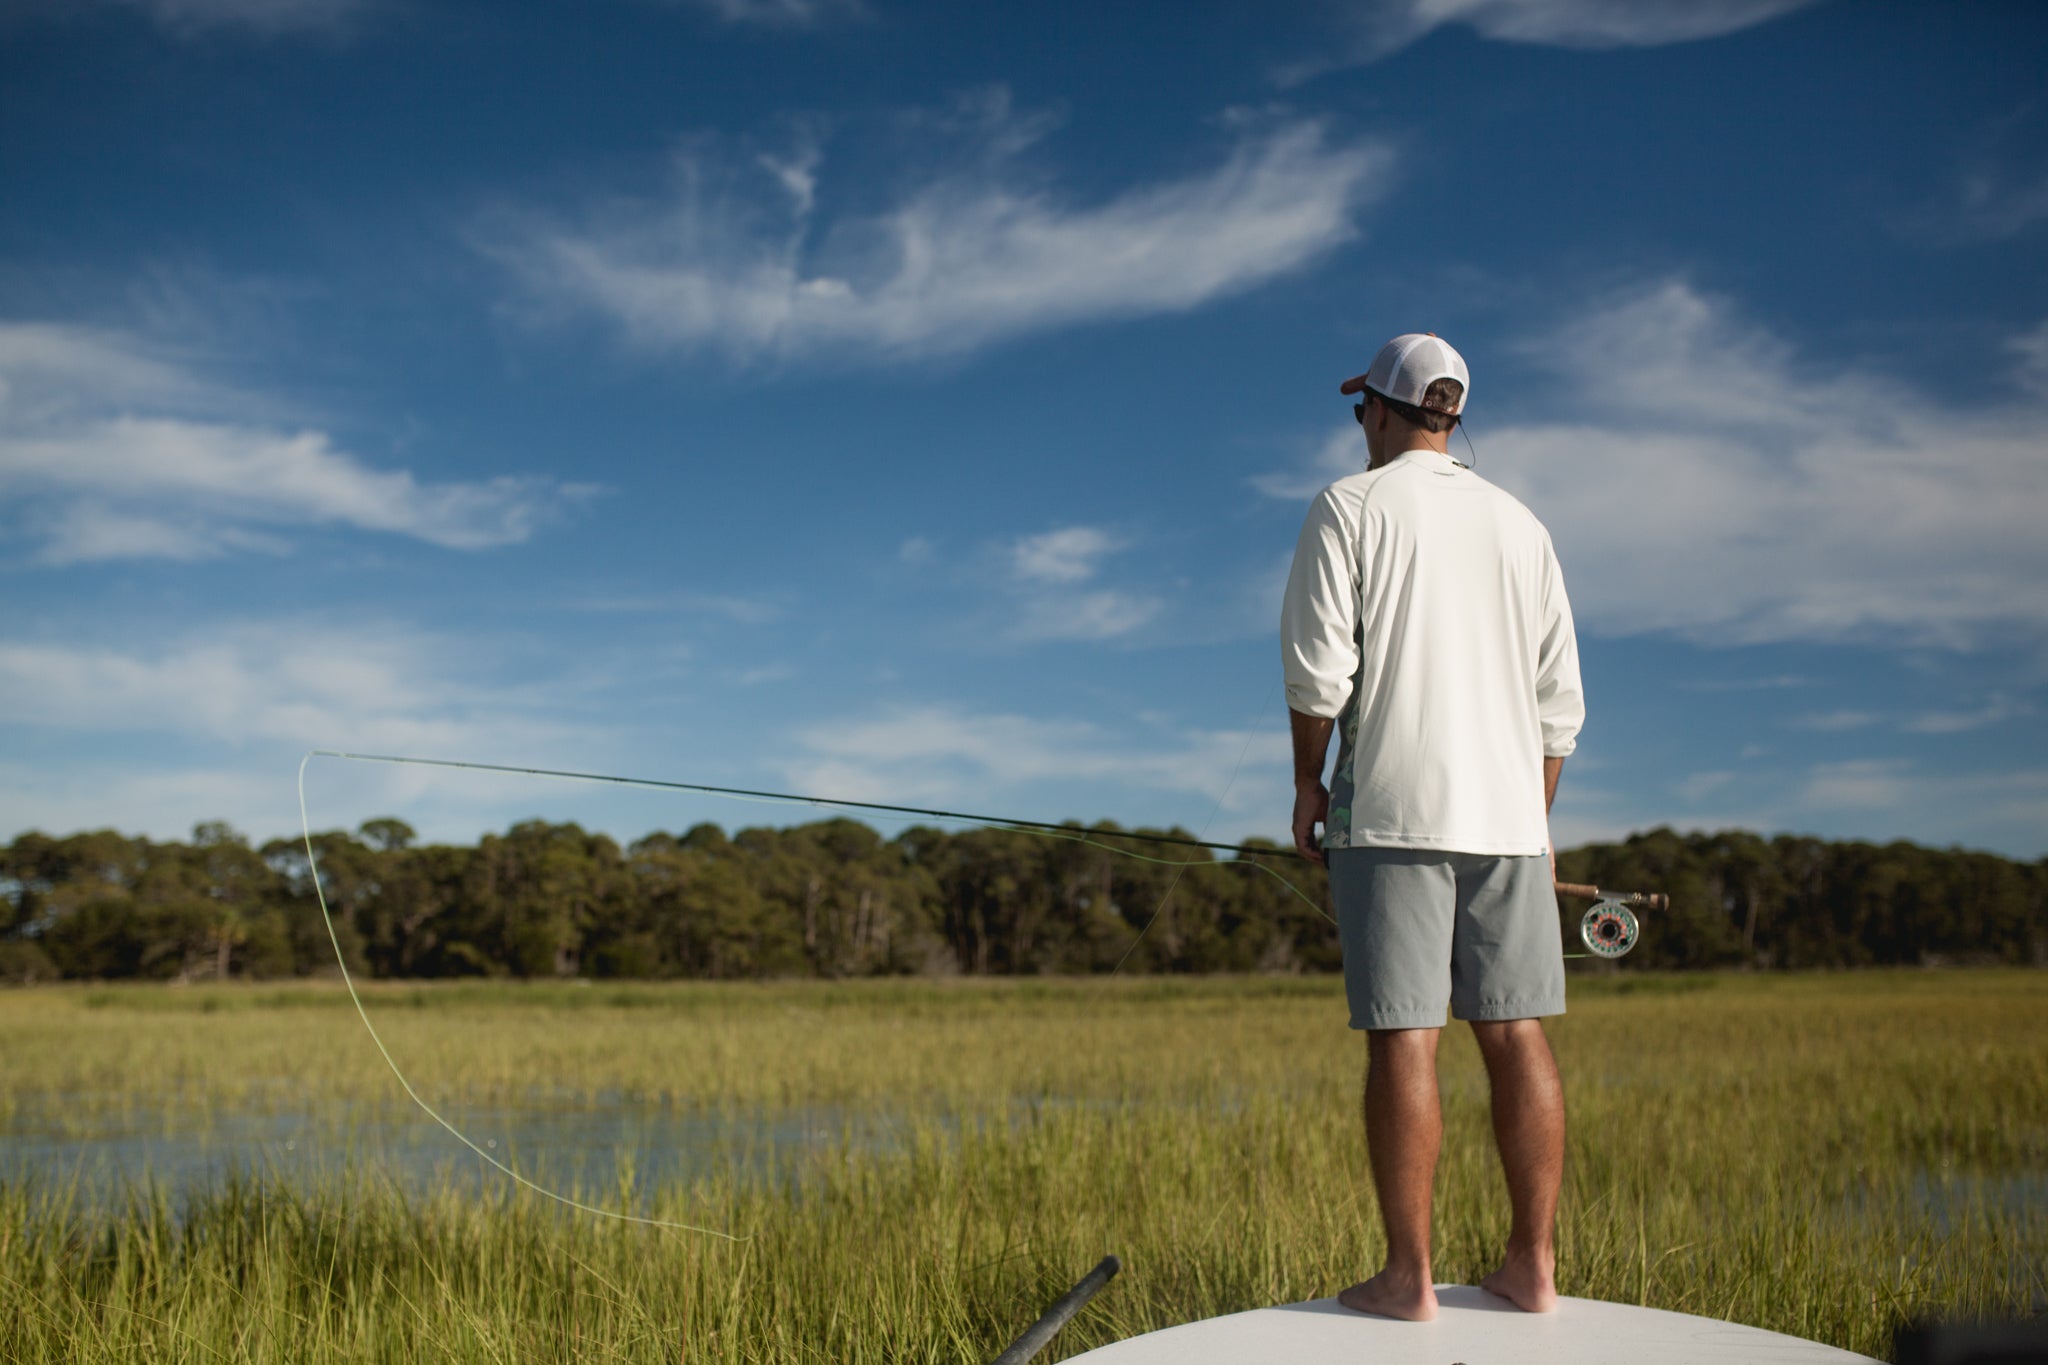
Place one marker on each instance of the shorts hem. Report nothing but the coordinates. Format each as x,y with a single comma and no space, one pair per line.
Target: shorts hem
1501,1011
1397,1019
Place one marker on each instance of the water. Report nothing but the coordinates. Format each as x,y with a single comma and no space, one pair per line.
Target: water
588,1148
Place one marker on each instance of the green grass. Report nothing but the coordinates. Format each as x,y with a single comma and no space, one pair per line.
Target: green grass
1820,1155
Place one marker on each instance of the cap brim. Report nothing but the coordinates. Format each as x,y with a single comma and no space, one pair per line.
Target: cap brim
1353,385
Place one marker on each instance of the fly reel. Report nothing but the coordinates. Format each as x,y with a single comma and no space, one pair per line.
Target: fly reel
1608,929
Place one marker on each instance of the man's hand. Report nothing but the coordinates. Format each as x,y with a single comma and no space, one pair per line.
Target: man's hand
1311,808
1311,738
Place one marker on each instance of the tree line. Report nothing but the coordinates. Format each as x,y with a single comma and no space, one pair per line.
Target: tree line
836,899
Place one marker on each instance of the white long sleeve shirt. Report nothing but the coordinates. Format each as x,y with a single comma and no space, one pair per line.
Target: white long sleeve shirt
1426,613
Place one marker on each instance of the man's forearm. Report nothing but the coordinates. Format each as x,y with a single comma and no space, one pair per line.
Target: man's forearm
1311,745
1553,768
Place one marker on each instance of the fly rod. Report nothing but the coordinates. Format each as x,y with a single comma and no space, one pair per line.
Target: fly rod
795,798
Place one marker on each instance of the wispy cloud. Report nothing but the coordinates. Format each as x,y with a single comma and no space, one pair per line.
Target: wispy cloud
785,14
1391,25
247,684
1069,555
164,731
1952,721
1862,784
1834,722
1993,712
942,753
1864,798
1105,614
110,450
1771,682
1342,452
1698,786
264,18
731,261
1997,190
1705,479
2031,353
1385,28
736,607
1048,572
1994,203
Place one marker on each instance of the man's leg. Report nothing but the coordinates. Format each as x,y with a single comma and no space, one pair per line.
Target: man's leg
1528,1126
1404,1128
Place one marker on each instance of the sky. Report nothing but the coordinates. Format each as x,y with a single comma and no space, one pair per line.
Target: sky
917,403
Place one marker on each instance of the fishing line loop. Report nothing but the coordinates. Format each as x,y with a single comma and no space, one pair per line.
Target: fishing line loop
313,865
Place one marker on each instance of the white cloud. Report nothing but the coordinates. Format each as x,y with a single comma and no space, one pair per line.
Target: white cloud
736,607
729,262
1767,683
210,725
1390,25
2031,350
1994,206
941,755
1863,784
160,804
1706,480
1993,712
53,371
1101,615
1834,722
782,13
1050,568
1071,554
1876,798
262,17
383,687
1698,786
111,450
1997,190
1341,453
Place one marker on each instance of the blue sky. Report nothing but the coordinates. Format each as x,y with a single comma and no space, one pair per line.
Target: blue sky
917,403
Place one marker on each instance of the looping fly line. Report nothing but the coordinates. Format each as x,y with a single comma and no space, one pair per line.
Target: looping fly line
1039,828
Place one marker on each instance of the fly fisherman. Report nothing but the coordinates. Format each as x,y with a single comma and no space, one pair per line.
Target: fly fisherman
1427,615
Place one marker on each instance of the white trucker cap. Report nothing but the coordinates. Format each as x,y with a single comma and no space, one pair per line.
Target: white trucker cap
1406,367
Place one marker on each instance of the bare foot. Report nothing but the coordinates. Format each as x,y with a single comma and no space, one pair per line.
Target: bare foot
1408,1297
1528,1281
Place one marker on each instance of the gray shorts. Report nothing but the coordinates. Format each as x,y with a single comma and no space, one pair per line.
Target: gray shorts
1423,930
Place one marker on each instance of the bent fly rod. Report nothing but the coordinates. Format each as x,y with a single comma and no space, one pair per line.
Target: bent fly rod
1069,830
1609,929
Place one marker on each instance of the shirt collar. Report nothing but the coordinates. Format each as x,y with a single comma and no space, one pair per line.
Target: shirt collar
1435,461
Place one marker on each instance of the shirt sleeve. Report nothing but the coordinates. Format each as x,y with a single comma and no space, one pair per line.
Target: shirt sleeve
1319,614
1560,698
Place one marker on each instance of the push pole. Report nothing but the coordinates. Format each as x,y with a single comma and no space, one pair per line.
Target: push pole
1039,1333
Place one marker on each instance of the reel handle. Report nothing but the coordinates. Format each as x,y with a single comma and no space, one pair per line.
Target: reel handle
1645,900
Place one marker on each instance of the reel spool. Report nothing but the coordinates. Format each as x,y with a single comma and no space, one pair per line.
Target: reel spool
1608,929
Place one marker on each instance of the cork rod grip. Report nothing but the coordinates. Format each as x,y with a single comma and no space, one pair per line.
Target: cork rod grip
1644,900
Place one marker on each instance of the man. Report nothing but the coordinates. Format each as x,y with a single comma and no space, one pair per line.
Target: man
1426,615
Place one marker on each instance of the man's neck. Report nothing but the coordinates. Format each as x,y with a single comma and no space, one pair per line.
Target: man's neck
1420,441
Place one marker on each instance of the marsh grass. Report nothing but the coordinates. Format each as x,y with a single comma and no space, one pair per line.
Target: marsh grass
1821,1155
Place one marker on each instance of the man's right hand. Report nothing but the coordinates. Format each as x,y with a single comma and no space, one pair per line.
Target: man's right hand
1311,808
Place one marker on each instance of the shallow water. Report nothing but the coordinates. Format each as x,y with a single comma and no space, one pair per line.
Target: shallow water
595,1148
